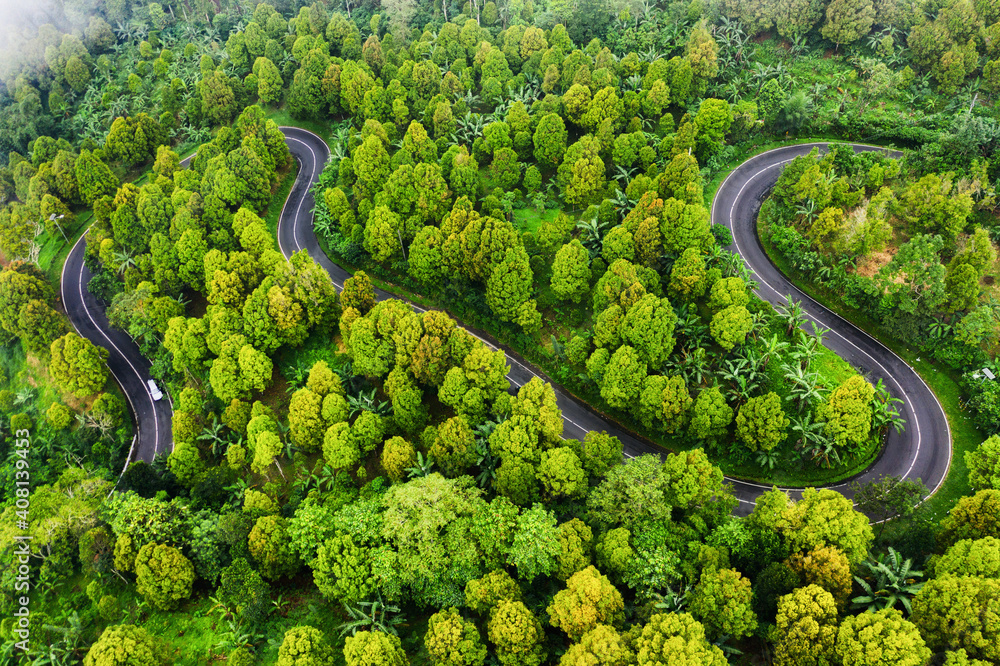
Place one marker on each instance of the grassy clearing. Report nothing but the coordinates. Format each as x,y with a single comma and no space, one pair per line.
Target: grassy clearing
943,381
188,636
529,219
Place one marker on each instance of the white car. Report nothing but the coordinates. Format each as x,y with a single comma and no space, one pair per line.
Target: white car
154,391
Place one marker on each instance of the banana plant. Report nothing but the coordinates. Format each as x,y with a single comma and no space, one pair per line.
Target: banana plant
890,580
372,615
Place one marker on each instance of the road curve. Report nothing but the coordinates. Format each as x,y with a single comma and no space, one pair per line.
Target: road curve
127,364
923,449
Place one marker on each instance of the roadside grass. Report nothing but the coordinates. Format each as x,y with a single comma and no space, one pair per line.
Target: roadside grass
277,203
55,248
944,382
281,116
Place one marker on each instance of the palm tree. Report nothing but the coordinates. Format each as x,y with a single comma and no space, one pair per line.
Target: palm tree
806,349
771,347
812,439
885,412
624,173
372,615
890,580
125,261
213,433
694,366
421,468
592,231
623,204
804,385
792,314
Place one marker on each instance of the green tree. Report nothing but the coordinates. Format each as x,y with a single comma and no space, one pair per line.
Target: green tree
270,546
688,276
914,278
601,452
358,293
674,639
305,646
722,601
807,626
342,570
961,286
847,411
588,600
761,422
484,594
371,166
623,378
571,272
713,121
269,81
163,575
575,548
94,178
882,637
848,21
727,292
648,326
516,634
955,612
453,641
794,18
971,557
561,473
729,327
601,645
454,447
535,549
824,517
125,645
973,518
428,522
984,465
78,365
510,285
581,174
550,141
710,415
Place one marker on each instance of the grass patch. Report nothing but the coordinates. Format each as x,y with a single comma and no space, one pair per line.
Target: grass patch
943,381
529,219
281,116
832,370
188,635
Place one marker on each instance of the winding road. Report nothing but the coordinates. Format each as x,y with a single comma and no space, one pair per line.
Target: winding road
922,450
126,363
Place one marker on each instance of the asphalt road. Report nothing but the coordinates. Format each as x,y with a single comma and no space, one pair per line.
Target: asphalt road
128,366
922,450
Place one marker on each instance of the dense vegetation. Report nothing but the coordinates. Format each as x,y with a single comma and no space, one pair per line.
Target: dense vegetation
355,482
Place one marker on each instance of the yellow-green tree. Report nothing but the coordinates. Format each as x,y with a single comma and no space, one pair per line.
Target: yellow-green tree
588,600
